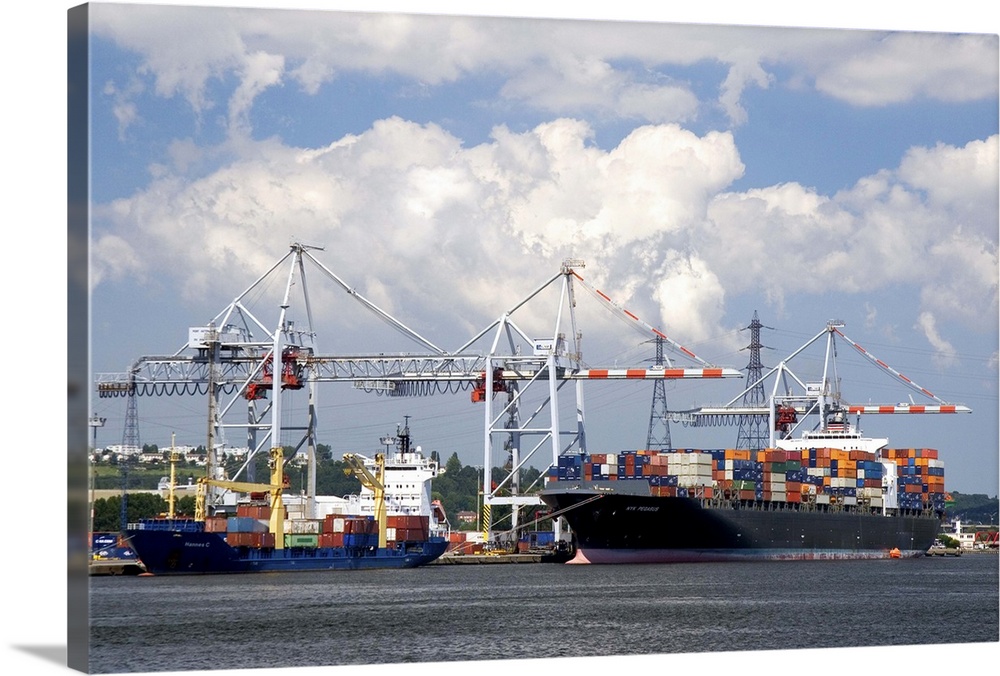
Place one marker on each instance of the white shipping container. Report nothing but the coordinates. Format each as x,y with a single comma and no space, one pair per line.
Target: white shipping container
876,502
302,526
822,499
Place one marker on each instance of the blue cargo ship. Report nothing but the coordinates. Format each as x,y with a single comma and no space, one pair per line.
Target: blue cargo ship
392,523
175,547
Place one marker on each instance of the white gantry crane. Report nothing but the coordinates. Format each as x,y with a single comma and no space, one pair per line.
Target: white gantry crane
243,365
793,400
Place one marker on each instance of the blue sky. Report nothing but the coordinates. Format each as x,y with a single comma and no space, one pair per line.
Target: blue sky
882,172
448,164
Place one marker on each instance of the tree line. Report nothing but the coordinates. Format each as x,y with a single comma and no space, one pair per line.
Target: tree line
458,486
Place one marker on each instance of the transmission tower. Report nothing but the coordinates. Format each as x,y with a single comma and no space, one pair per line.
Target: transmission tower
753,433
130,439
658,436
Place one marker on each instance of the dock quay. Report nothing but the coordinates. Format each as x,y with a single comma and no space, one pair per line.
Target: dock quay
464,559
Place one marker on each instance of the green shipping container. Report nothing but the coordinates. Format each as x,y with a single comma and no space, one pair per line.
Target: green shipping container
301,540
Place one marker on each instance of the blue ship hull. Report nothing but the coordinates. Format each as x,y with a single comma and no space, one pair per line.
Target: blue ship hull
186,549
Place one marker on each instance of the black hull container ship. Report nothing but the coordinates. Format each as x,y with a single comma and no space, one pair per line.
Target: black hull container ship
829,495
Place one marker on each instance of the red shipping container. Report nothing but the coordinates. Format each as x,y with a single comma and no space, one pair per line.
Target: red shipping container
331,540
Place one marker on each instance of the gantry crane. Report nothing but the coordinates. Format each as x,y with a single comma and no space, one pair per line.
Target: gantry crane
233,360
793,400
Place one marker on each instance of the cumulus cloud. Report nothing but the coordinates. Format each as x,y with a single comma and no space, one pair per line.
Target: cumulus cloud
917,225
626,70
463,232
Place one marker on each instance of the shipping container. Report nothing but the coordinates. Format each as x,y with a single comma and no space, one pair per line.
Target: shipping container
301,540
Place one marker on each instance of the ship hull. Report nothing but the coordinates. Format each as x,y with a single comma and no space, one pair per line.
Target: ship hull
185,552
613,527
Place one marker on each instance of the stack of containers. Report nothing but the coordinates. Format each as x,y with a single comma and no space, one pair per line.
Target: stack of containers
744,476
831,475
920,478
407,528
302,533
693,469
348,531
248,531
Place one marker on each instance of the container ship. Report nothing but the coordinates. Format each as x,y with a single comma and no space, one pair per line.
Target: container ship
392,523
831,494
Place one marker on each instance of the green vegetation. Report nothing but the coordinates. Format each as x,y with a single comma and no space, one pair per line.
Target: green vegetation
949,542
457,487
973,508
107,511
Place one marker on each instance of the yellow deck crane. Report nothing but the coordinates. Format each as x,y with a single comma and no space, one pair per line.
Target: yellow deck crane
374,483
276,524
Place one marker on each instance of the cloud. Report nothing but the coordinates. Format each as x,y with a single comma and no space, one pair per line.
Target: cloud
464,232
572,83
944,353
624,70
260,71
905,66
931,223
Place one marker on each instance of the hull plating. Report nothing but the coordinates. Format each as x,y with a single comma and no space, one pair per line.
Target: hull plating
618,528
166,552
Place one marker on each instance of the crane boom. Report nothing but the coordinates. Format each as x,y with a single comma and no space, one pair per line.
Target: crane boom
373,482
276,523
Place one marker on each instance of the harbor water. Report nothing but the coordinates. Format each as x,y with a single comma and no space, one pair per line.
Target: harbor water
524,611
